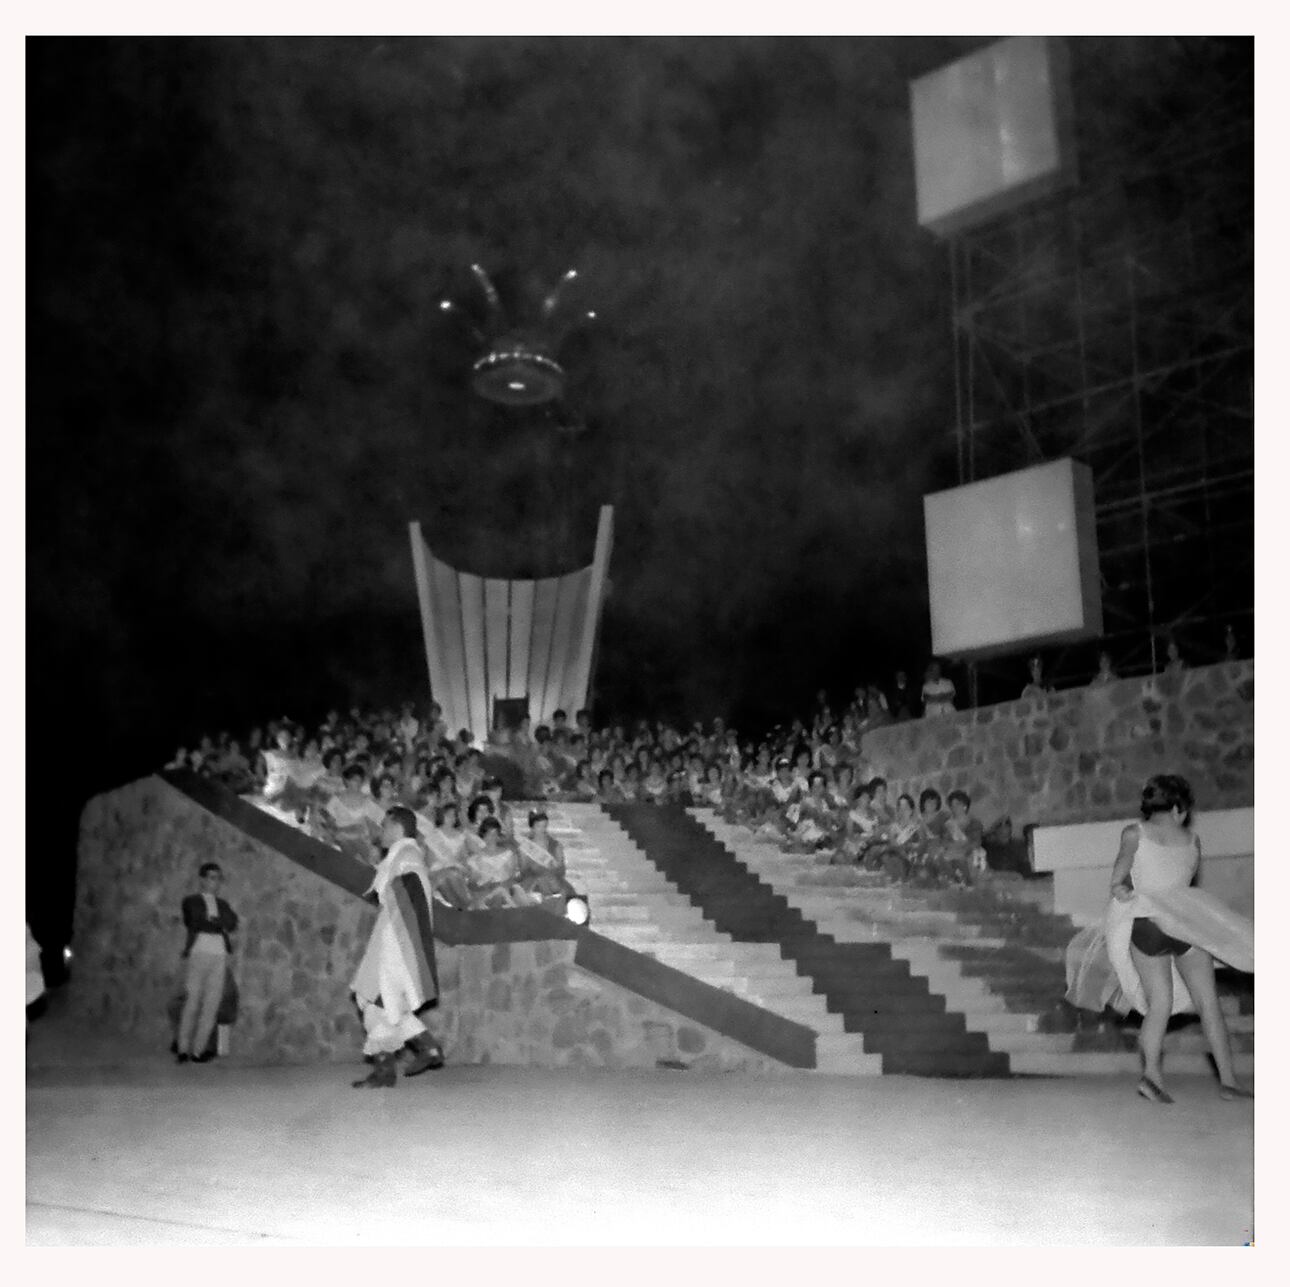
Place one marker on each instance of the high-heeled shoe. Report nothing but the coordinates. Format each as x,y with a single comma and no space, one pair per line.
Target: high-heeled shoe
1234,1092
1156,1094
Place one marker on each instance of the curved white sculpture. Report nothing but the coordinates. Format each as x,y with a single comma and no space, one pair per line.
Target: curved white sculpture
487,638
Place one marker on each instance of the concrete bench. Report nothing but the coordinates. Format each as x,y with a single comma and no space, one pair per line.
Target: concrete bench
1080,857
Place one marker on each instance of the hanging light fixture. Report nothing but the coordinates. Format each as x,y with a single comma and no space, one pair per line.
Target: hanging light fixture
519,367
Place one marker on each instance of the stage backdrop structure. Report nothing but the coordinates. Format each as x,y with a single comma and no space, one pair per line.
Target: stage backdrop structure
1101,273
490,640
1012,562
992,131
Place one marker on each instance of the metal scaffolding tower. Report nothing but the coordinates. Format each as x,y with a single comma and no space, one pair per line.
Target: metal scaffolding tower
1114,322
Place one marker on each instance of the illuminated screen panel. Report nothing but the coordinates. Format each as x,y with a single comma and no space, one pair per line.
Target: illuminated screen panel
991,130
1012,561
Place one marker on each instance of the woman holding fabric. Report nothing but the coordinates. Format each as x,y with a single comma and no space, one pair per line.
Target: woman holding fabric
1161,937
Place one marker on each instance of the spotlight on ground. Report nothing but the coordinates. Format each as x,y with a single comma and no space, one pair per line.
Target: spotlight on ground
578,909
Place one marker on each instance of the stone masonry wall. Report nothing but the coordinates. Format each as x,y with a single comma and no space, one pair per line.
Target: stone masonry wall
1083,754
527,1003
298,943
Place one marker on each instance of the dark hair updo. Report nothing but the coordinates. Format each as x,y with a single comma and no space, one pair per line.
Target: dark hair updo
1166,792
405,818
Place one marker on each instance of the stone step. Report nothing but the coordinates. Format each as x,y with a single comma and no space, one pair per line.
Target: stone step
622,912
999,1021
714,964
674,922
1176,1043
884,929
1099,1063
1011,919
809,1013
866,910
720,947
859,931
845,1054
662,904
630,933
619,885
809,896
752,986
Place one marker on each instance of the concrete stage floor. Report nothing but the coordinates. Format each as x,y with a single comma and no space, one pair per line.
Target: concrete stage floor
125,1147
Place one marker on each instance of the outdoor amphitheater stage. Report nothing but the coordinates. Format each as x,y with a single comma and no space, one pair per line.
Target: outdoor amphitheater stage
125,1147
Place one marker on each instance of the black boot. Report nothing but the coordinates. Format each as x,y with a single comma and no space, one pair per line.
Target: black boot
422,1052
384,1073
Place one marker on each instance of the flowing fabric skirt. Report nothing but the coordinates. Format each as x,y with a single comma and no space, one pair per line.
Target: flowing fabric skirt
1099,963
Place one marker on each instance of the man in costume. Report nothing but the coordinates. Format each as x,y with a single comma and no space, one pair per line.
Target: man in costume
396,977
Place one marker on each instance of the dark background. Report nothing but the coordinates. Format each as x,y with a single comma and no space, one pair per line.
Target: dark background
241,386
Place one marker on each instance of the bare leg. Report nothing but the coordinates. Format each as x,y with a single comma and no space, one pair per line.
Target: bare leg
1197,969
1158,983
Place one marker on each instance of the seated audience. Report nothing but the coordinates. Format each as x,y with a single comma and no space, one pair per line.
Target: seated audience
803,788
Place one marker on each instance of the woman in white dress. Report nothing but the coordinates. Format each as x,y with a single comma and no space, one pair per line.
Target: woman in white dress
1161,937
938,691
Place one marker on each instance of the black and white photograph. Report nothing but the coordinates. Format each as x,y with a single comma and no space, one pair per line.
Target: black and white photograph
638,639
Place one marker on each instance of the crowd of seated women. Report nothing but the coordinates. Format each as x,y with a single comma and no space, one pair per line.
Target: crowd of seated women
805,784
337,781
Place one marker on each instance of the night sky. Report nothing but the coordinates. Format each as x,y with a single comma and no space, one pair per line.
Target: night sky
241,386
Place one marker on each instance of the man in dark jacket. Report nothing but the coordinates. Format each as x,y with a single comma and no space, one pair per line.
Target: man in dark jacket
209,921
902,701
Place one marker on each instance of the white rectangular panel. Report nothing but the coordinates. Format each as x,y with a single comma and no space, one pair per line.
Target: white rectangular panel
991,130
1222,833
545,593
571,638
445,597
1012,561
580,685
425,601
472,633
497,628
517,684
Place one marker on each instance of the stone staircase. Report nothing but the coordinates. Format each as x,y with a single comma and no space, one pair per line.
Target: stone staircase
635,905
874,995
995,954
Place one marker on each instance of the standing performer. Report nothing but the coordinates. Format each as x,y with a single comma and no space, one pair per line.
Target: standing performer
1155,953
396,977
209,922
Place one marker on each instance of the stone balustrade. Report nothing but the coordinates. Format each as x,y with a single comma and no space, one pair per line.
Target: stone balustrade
1083,754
